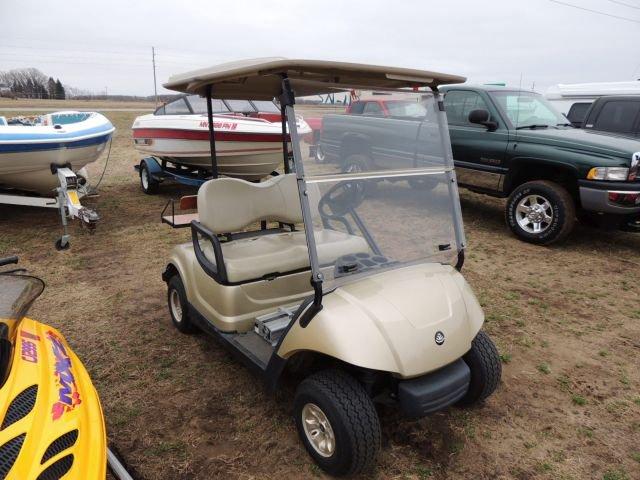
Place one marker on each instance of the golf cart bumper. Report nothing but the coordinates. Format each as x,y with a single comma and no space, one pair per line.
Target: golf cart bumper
434,391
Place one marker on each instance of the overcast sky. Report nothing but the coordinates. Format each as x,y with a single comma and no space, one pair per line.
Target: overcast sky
94,45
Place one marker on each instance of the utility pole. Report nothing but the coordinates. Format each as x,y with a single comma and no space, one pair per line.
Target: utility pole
153,60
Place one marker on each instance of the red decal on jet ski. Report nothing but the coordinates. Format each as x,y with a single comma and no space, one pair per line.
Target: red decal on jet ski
68,395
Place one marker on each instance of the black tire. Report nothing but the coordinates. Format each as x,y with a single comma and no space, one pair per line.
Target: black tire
352,418
359,163
148,184
181,321
561,208
421,183
486,369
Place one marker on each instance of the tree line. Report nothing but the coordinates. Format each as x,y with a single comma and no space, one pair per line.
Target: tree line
31,83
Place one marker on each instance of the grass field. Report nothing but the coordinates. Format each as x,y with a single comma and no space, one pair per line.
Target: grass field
566,320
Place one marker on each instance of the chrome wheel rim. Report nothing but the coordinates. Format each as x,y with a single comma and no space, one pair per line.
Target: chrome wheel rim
534,214
176,307
318,430
319,154
144,178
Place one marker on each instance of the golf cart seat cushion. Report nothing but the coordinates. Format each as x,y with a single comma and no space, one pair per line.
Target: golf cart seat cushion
255,257
227,205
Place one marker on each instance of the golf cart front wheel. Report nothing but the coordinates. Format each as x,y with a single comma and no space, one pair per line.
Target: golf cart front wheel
178,305
337,422
148,184
484,362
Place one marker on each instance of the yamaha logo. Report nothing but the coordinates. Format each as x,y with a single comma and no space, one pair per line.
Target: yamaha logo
439,338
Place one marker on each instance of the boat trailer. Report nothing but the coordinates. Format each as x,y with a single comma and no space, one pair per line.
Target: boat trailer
66,200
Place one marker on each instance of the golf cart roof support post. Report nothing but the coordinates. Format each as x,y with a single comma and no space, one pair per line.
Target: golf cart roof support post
287,99
212,139
451,175
285,148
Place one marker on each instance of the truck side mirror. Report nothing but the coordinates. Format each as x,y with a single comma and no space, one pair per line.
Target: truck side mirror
482,117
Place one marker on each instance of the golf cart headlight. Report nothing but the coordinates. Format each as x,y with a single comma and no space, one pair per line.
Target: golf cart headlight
608,173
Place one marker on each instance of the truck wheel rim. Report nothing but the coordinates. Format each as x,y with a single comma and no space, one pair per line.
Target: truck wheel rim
144,178
318,430
176,307
319,154
534,214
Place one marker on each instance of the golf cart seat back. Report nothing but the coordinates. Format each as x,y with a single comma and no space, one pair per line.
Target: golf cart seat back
227,205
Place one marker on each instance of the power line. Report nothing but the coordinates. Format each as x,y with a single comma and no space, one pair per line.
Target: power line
624,4
595,11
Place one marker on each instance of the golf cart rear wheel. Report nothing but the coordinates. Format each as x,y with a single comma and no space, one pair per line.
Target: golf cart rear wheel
541,212
484,362
337,422
148,184
178,306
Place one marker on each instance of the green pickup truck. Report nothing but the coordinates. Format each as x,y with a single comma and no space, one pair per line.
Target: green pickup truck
514,144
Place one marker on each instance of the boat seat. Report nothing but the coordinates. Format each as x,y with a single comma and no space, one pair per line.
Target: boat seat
228,205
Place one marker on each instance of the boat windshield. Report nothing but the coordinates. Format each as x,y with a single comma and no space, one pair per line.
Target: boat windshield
240,106
17,293
382,192
199,105
266,106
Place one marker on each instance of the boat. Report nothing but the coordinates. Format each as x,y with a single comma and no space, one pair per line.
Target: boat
29,146
248,135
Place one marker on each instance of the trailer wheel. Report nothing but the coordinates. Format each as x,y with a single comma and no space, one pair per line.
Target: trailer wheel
178,305
484,362
148,184
337,422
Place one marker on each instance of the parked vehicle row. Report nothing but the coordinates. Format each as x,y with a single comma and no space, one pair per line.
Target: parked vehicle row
506,143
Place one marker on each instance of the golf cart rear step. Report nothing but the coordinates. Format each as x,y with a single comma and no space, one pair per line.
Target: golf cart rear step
272,325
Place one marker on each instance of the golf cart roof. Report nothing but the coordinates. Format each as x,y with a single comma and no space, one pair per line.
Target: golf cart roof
260,78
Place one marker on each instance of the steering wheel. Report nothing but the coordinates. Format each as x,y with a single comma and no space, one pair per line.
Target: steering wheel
341,199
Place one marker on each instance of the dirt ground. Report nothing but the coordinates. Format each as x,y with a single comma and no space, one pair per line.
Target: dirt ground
566,320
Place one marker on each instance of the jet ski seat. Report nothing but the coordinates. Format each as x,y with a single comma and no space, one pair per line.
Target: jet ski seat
228,205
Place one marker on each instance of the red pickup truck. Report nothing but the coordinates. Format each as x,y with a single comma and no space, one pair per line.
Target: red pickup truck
377,107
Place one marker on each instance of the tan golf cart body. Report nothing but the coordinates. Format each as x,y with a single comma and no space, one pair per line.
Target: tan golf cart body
383,321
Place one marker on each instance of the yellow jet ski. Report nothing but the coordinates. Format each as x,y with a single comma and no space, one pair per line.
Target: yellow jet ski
51,422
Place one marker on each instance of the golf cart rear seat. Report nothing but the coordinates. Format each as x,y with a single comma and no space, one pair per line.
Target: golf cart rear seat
228,205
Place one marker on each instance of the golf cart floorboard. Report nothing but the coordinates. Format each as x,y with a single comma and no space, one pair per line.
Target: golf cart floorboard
254,346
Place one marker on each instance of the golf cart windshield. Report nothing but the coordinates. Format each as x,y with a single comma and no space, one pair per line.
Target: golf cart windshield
382,193
17,293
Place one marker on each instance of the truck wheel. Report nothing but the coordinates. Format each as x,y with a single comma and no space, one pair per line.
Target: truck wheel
425,184
178,305
358,163
319,154
337,422
484,362
148,184
541,212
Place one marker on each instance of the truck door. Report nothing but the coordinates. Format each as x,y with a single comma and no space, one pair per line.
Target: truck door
478,153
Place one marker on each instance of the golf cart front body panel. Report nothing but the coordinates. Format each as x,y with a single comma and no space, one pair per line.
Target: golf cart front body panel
50,410
391,321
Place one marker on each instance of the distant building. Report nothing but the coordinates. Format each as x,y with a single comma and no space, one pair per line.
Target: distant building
4,89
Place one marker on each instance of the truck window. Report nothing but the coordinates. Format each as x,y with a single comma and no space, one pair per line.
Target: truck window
459,103
578,113
372,108
617,116
356,108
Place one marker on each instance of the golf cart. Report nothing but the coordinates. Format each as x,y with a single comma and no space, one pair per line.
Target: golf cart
51,422
355,289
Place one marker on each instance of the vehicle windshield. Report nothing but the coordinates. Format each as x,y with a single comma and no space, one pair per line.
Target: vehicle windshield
398,108
241,106
199,105
381,194
527,109
266,106
17,293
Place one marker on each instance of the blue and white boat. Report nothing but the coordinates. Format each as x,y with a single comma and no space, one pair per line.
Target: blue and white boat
28,148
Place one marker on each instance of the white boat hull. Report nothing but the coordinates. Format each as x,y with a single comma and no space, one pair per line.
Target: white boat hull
246,148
